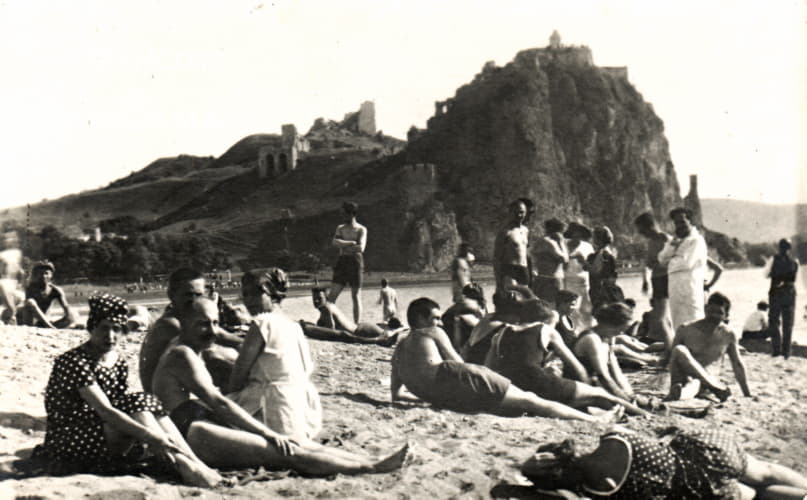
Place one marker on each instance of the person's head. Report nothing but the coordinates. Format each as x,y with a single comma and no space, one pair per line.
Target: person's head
199,320
521,209
537,310
505,303
717,308
261,290
646,224
106,321
423,313
42,272
613,319
784,246
553,226
566,302
384,282
682,219
577,231
350,210
394,323
184,285
474,292
319,296
762,305
554,466
603,236
466,252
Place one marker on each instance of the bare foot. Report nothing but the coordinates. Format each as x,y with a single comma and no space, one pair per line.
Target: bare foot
722,394
394,461
675,392
196,473
611,416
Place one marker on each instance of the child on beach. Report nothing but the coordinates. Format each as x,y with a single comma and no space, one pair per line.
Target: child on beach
388,298
756,326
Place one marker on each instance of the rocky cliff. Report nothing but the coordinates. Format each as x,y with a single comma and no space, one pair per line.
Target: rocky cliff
551,126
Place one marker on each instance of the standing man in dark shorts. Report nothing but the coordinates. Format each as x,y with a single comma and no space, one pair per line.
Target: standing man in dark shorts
660,322
782,298
510,256
350,240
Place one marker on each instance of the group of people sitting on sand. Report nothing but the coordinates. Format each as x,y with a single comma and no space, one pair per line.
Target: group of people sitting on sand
216,399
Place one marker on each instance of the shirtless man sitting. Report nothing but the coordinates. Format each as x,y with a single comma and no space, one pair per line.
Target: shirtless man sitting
39,296
697,349
510,257
462,316
221,433
184,285
333,324
431,370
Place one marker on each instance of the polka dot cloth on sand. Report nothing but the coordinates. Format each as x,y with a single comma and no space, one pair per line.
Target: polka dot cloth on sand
109,307
75,432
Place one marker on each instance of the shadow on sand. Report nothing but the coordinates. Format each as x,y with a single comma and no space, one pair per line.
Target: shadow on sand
763,346
22,421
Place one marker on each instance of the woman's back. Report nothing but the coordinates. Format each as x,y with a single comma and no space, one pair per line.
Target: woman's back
286,356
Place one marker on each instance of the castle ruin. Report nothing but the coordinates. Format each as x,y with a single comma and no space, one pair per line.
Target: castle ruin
693,202
281,156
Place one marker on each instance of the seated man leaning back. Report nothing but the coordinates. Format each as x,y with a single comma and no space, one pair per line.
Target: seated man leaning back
39,295
431,369
223,434
184,285
333,324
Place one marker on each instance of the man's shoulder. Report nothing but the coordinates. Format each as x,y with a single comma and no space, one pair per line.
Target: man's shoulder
726,333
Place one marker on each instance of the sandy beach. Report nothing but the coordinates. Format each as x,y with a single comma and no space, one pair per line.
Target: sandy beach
455,455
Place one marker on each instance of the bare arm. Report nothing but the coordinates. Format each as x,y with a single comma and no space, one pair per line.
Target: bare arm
566,355
597,354
362,243
122,422
667,252
620,377
61,298
338,242
395,380
247,355
227,339
194,377
738,366
717,270
556,249
447,351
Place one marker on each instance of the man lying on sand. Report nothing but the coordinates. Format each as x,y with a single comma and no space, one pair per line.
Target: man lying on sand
39,296
222,433
431,369
697,349
333,324
184,285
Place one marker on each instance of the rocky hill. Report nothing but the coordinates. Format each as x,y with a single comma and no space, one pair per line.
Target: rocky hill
578,139
759,223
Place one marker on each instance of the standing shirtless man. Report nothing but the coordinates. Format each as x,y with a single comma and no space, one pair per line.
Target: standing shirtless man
510,263
660,323
697,351
550,256
350,239
461,271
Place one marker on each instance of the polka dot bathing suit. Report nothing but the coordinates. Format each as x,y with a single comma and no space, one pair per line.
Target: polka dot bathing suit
75,431
700,464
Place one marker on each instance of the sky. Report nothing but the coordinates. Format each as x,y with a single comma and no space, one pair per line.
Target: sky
92,90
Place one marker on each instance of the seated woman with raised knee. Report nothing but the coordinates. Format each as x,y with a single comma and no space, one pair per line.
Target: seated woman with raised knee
92,420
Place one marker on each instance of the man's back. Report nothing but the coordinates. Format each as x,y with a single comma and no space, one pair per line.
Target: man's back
156,341
416,358
654,245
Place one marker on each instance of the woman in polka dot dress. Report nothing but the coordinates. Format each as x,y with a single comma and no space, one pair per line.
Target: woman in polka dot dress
681,465
92,419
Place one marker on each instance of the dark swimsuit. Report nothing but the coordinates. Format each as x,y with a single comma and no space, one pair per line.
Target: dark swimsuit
189,412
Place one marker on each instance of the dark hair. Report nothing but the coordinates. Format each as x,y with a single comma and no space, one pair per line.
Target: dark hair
681,210
394,323
556,468
630,303
577,230
475,292
319,289
384,282
646,219
418,308
535,310
762,305
350,208
784,244
603,234
721,300
554,225
528,204
464,248
566,296
273,282
614,314
182,275
186,309
505,303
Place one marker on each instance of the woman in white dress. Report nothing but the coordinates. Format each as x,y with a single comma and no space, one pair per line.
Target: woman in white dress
271,377
576,277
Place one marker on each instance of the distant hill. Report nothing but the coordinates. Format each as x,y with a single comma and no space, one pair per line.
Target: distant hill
754,222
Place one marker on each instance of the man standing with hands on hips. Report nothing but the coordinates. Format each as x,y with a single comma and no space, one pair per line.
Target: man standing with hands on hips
350,240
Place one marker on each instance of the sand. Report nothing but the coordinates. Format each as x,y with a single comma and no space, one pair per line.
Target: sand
455,455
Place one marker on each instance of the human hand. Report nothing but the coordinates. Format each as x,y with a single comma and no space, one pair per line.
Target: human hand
161,442
283,444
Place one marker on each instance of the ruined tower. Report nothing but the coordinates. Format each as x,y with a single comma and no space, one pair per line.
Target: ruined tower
366,120
693,202
554,40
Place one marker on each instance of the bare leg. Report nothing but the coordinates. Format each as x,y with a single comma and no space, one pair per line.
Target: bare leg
684,365
589,395
518,400
336,289
773,480
69,319
660,322
355,293
625,352
33,315
231,448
